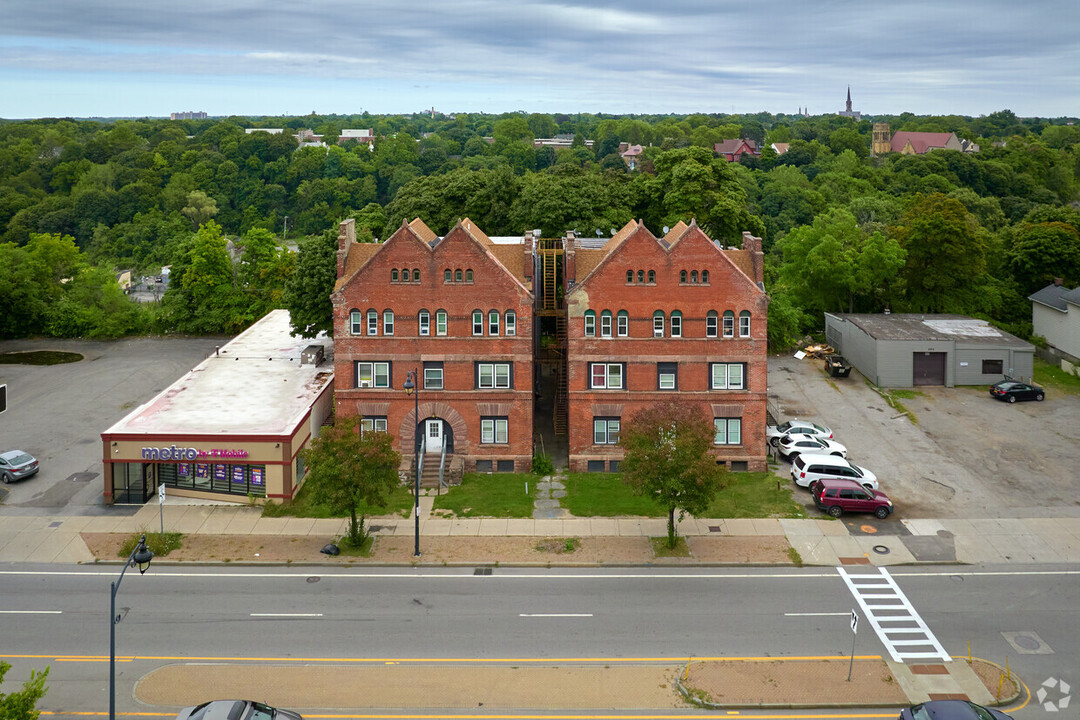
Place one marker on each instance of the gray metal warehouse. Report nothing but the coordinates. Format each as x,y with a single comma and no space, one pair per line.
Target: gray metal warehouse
906,350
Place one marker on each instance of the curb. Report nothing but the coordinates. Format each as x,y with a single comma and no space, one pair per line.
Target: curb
689,697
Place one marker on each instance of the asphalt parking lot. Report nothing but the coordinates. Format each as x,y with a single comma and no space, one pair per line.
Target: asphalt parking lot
966,456
58,412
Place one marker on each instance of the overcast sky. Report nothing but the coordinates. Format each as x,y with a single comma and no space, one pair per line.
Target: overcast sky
254,57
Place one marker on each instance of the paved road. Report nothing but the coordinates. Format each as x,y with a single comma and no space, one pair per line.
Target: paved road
218,614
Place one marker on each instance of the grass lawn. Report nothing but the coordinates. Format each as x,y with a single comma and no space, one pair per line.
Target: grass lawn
747,495
605,495
1053,377
400,502
499,495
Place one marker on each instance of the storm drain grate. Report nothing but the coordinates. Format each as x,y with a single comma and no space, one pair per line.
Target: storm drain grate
56,524
715,528
482,571
82,477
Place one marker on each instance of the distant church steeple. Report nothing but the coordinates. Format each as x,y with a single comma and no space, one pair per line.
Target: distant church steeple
848,105
847,111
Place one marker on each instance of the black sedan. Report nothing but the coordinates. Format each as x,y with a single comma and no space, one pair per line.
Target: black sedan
951,710
236,710
1012,390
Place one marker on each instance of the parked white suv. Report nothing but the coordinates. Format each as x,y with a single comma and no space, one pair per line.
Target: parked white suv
773,433
794,444
806,469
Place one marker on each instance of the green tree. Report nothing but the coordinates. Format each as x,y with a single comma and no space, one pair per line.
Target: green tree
22,704
307,294
667,457
199,208
349,471
1044,251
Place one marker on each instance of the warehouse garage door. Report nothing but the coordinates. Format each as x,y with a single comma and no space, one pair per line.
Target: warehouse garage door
929,368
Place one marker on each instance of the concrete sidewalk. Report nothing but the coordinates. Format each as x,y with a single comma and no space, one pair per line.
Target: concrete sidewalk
819,541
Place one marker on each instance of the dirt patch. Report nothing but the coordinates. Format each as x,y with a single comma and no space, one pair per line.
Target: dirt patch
305,549
993,677
797,682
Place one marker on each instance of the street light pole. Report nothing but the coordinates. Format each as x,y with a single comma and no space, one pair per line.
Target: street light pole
412,387
140,557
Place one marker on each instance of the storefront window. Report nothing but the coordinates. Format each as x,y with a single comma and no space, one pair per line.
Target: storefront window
231,479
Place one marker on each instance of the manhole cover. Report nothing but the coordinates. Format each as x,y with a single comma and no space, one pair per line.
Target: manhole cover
314,579
1027,642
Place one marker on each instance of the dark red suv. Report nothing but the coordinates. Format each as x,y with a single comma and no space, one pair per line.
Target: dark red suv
839,495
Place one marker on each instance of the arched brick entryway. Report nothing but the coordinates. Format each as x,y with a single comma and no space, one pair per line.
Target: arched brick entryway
407,431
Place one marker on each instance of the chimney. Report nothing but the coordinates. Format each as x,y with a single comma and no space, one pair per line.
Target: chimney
345,239
1059,281
529,262
757,257
570,259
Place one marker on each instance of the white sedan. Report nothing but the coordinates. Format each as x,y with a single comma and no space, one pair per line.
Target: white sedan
794,444
774,432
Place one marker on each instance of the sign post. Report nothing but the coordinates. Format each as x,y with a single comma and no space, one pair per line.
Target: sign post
161,507
854,632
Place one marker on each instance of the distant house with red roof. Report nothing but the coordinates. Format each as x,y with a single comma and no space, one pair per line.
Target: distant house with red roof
733,150
920,143
780,148
631,156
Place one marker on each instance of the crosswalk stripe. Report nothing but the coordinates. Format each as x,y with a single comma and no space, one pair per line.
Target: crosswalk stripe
864,588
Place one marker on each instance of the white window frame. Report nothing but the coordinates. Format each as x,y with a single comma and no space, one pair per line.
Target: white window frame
590,323
605,324
372,322
744,324
672,378
425,323
510,323
497,376
356,322
727,431
721,376
493,323
729,324
375,424
440,322
388,322
607,376
374,370
622,323
478,322
658,325
430,381
606,430
494,431
676,324
712,324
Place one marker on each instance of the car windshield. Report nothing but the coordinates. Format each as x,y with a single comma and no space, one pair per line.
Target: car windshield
820,429
261,712
19,459
857,469
784,426
920,713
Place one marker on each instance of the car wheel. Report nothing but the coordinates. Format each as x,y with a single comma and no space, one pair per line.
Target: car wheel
6,478
1040,397
882,513
1012,398
775,442
836,511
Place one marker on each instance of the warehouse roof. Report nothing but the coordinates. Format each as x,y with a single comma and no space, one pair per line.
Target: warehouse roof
915,326
254,385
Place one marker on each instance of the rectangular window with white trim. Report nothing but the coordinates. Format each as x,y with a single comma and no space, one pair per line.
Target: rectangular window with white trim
494,430
372,424
494,376
606,431
607,376
728,431
727,376
372,374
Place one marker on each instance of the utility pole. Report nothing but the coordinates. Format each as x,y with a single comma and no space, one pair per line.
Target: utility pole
285,229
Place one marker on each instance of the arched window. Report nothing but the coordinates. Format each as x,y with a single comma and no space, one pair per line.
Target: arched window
744,324
416,276
424,322
388,322
704,277
711,322
356,322
447,276
493,322
511,323
393,275
477,322
622,323
658,323
641,276
629,276
468,276
590,323
693,277
406,276
372,322
440,322
729,324
676,323
652,277
605,324
682,276
457,275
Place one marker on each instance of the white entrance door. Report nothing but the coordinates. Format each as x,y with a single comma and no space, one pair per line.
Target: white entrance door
433,430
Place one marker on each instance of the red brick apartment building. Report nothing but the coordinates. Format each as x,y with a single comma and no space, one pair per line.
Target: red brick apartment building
578,333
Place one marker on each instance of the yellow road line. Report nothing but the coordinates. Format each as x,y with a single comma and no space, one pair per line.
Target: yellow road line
472,661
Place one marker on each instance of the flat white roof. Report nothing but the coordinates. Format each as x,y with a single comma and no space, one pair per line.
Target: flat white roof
254,385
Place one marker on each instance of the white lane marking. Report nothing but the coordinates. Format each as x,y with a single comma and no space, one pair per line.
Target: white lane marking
813,614
555,615
31,612
286,614
549,576
877,592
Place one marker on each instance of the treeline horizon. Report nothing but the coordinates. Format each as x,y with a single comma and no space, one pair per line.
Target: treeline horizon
972,233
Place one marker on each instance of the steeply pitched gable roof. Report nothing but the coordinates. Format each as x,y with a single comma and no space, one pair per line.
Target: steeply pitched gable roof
1056,297
921,142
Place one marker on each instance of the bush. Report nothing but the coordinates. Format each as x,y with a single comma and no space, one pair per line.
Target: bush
542,464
